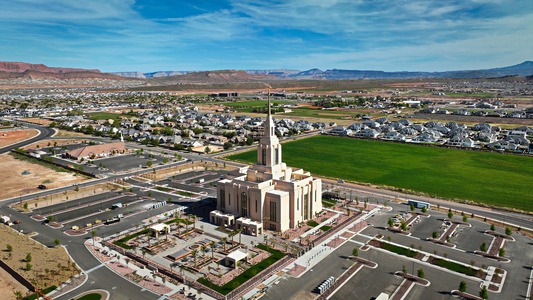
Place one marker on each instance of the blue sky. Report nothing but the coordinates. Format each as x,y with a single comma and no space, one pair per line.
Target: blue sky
390,35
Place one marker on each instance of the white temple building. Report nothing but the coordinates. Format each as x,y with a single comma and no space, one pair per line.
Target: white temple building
267,194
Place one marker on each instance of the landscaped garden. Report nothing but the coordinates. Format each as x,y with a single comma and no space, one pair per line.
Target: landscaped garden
489,178
248,274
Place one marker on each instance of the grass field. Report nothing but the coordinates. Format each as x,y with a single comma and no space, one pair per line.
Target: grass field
490,178
104,116
248,106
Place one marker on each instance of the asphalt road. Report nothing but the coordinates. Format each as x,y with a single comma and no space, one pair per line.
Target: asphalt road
44,132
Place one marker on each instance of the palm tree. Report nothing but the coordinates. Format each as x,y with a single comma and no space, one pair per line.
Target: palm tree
212,245
194,253
224,240
231,235
240,233
204,249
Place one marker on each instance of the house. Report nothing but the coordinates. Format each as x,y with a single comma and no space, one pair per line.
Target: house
459,141
367,133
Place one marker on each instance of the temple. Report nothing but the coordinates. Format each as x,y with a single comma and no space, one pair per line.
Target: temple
267,194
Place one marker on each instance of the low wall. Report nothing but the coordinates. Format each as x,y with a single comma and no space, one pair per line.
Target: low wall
17,276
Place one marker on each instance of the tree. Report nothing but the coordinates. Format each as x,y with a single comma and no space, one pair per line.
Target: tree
508,231
194,253
450,214
18,295
501,252
404,269
9,248
492,227
462,286
224,240
93,233
28,266
412,207
355,252
28,257
207,150
239,231
57,242
403,225
149,164
228,145
390,222
420,273
483,247
484,293
424,209
435,234
212,244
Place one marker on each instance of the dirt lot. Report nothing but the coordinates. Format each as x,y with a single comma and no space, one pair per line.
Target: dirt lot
15,184
52,142
8,286
38,121
49,266
9,137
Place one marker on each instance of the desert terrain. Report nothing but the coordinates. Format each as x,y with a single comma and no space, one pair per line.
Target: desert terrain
9,137
14,183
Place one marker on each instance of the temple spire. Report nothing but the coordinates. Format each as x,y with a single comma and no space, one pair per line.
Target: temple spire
268,101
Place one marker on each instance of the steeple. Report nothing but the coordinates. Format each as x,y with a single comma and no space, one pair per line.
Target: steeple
269,102
269,148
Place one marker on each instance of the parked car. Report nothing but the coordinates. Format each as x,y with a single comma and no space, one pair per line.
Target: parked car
41,186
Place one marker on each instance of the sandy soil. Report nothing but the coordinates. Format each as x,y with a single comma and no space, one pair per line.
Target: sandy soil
9,137
8,286
51,142
15,184
49,266
37,121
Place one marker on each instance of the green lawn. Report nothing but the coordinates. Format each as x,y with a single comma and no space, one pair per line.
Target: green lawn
312,223
102,115
399,250
248,106
491,178
92,296
45,291
248,274
122,241
450,265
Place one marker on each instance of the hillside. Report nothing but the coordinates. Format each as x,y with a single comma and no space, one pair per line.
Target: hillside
210,77
522,69
20,70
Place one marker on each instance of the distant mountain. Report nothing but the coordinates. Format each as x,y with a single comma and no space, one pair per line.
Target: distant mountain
221,76
283,73
130,74
523,69
21,70
20,67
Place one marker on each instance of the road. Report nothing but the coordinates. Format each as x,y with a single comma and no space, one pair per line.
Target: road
44,132
522,220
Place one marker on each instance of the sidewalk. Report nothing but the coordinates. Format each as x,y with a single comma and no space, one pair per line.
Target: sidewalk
143,277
